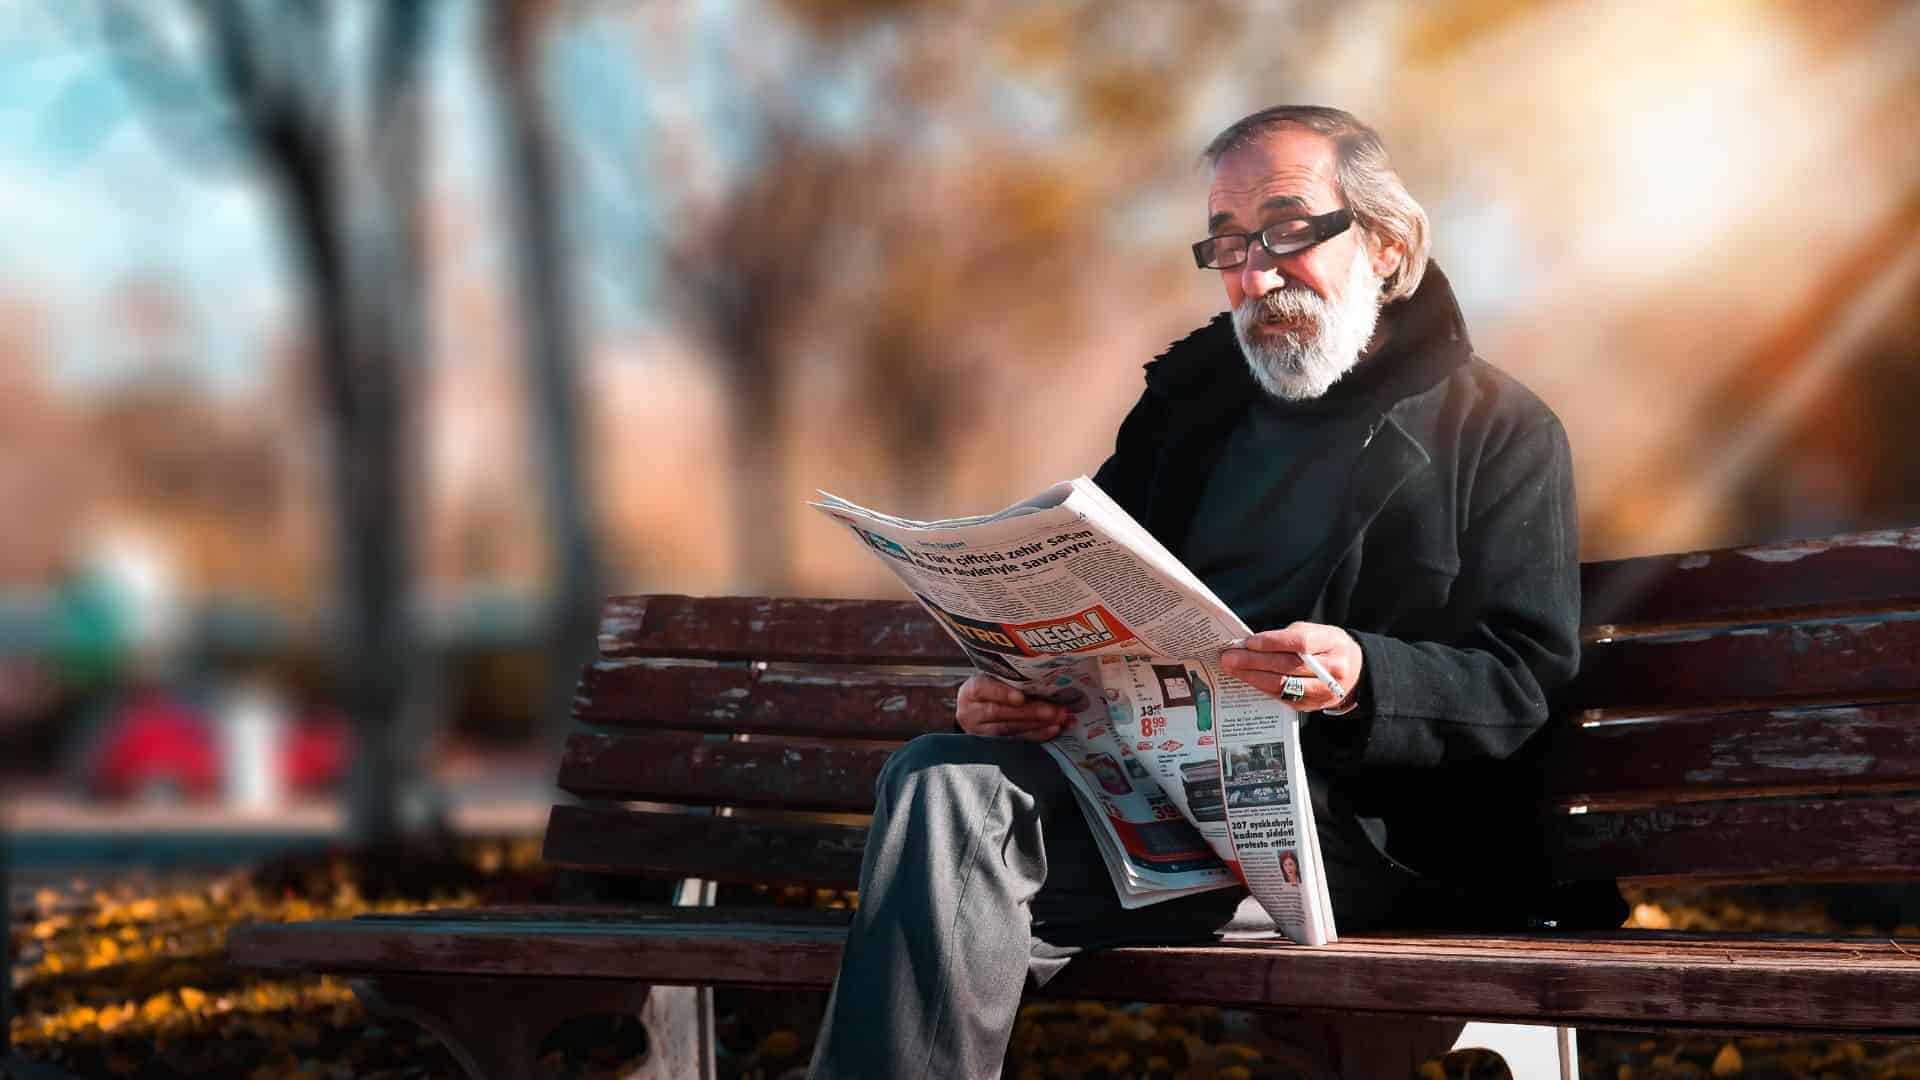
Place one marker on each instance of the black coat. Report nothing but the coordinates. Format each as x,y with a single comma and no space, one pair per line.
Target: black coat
1458,575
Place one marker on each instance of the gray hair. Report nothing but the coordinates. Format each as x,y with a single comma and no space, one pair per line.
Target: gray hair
1365,179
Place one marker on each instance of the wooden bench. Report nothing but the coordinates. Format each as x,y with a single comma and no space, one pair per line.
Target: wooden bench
1746,715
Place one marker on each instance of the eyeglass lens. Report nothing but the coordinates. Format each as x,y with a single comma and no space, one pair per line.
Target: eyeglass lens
1280,238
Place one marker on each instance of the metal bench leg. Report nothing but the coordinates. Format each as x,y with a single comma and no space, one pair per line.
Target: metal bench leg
679,1021
1531,1051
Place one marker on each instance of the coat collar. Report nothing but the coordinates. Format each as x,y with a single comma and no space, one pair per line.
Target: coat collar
1204,384
1427,342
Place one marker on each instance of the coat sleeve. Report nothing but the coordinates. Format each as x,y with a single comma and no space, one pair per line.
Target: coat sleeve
1516,606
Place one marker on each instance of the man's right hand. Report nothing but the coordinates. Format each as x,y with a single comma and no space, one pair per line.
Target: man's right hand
988,706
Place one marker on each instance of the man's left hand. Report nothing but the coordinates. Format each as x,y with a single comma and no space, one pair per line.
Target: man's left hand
1267,658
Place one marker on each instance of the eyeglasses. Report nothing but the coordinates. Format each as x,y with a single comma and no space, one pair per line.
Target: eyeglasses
1228,250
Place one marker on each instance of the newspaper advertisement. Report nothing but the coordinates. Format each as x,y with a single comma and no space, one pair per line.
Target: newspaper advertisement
1189,778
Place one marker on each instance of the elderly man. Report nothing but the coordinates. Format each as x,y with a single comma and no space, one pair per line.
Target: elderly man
1333,460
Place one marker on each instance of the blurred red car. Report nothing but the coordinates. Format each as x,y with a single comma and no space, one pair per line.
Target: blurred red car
158,747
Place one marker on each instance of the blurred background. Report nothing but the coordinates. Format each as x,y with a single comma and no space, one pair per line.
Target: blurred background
351,351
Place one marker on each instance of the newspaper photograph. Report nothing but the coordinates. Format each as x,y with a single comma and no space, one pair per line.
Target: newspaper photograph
1189,778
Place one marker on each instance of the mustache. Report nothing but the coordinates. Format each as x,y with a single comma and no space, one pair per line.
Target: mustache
1287,304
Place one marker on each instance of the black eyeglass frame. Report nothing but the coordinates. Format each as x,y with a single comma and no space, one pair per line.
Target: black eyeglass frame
1322,227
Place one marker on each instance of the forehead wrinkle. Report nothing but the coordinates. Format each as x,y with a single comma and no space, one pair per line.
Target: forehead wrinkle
1299,181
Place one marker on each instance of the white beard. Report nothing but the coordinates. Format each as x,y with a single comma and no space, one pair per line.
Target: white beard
1300,365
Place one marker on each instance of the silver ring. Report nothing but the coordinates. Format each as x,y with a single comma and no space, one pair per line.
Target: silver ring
1293,688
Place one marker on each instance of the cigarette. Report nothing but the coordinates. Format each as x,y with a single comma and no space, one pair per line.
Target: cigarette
1319,670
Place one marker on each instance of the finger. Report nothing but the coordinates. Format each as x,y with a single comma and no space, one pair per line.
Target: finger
1317,696
980,721
1043,729
1321,639
1033,712
1033,706
1239,661
986,688
1289,640
1018,729
1297,637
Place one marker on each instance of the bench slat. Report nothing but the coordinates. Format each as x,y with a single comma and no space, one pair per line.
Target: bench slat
1628,980
664,845
677,768
1847,575
1752,667
845,702
1822,663
1862,838
1856,574
775,628
1803,840
1693,758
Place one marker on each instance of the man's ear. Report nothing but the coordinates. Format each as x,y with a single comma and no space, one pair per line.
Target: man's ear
1384,255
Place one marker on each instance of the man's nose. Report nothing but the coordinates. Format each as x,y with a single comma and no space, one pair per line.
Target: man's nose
1260,274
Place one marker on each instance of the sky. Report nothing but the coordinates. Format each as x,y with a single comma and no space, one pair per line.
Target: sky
96,197
90,202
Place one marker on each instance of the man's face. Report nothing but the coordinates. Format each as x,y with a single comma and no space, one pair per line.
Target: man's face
1303,318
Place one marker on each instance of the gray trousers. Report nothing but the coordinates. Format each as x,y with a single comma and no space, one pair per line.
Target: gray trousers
980,874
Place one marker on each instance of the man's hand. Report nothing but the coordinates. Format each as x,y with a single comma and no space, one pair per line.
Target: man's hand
988,706
1270,657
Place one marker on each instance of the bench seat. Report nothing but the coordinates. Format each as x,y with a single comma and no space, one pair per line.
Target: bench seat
1629,979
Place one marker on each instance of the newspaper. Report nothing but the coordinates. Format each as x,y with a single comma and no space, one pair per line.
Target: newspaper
1189,778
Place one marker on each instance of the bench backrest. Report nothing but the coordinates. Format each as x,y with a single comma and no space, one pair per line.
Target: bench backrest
1748,714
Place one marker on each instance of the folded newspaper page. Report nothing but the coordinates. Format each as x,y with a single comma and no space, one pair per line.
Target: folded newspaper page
1189,778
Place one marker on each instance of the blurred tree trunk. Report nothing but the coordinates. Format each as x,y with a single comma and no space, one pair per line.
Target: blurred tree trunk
360,247
377,434
762,520
748,267
550,348
352,209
